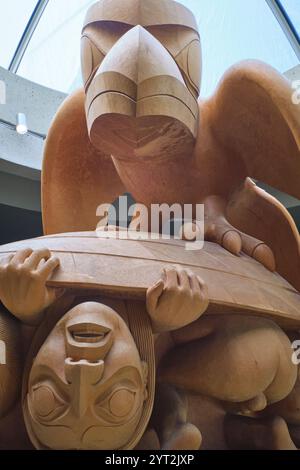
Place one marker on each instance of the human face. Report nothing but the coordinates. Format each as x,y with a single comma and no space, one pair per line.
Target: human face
87,384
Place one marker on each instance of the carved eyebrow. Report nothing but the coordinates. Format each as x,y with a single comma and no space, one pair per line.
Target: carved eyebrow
46,374
119,385
126,374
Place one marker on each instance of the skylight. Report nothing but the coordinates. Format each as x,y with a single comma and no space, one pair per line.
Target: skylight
231,30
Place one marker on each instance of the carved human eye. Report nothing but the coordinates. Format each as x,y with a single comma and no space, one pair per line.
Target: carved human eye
121,403
118,405
46,403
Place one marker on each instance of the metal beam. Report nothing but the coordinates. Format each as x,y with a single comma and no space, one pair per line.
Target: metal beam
27,35
286,24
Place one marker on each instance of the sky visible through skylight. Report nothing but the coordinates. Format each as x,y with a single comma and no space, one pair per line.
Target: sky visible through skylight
231,30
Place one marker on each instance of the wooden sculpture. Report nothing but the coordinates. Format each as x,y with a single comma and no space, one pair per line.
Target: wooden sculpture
137,127
88,359
104,351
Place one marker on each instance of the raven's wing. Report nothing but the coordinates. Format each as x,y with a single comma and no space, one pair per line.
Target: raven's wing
76,178
257,125
253,116
257,213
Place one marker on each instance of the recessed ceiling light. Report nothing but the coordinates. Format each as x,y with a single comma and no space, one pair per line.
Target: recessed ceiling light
21,126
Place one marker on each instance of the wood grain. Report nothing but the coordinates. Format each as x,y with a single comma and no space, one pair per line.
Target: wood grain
128,268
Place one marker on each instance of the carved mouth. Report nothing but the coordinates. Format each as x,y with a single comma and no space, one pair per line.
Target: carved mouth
88,333
88,337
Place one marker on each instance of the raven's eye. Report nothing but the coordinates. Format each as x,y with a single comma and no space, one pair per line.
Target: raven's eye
46,403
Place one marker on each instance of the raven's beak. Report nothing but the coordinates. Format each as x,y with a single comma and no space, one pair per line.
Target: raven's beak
137,103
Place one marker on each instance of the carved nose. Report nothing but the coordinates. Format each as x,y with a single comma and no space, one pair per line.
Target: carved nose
137,96
84,371
138,55
82,376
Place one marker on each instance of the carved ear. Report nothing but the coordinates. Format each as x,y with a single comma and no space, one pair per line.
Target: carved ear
145,370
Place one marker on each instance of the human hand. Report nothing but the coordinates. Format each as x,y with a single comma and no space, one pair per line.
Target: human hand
179,298
23,279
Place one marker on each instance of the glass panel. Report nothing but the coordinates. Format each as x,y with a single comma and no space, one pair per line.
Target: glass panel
53,56
14,17
234,30
292,8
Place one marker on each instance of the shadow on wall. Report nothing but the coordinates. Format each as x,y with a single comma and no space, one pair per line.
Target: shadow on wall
19,224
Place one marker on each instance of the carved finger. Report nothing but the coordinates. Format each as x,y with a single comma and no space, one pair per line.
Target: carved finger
264,255
202,283
21,256
224,234
42,262
231,241
200,293
195,284
259,251
205,292
36,257
47,269
171,278
184,280
153,295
